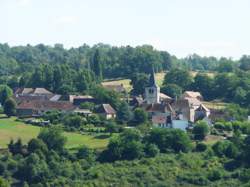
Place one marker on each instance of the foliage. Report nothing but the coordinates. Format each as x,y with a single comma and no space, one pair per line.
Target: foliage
172,90
123,112
174,140
87,105
200,130
139,81
5,93
10,107
179,77
53,138
140,116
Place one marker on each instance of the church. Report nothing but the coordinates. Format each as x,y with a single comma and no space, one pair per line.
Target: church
166,112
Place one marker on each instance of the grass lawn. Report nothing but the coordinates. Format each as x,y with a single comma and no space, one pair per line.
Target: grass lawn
12,129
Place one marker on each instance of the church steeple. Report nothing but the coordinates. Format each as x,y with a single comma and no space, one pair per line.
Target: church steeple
152,91
152,81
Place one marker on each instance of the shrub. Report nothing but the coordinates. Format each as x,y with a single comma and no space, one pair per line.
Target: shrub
225,148
215,175
151,150
201,147
200,130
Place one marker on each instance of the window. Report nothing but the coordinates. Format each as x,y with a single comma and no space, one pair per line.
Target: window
151,91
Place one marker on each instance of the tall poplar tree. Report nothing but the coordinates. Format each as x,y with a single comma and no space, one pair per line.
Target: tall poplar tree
97,67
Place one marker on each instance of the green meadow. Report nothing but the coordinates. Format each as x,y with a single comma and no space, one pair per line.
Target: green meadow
10,128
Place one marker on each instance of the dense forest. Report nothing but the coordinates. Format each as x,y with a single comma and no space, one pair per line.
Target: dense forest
114,61
78,69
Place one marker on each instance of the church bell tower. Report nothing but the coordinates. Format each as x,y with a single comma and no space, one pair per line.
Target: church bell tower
152,91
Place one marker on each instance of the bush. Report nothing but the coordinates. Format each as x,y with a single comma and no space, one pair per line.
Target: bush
73,121
151,150
245,175
85,153
10,107
200,130
215,175
225,148
166,139
87,105
201,147
2,168
219,125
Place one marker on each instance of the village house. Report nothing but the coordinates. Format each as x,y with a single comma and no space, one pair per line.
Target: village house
28,94
35,108
32,91
79,99
190,109
166,112
192,94
107,111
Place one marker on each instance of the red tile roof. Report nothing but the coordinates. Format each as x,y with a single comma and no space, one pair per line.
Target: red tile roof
157,107
46,105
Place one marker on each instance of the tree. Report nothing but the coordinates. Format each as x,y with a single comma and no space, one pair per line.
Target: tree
5,93
97,66
240,96
53,138
227,83
172,90
36,144
225,148
174,140
132,150
111,127
128,145
85,153
139,81
245,63
200,130
140,116
204,84
33,169
151,150
179,77
226,66
123,112
73,121
201,147
37,78
16,148
10,107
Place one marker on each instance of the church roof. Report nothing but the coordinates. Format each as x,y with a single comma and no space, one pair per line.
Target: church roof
152,82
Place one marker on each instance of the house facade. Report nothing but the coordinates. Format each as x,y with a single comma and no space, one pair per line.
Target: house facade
107,111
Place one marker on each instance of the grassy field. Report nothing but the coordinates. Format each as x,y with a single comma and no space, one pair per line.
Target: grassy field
12,129
126,82
215,105
159,79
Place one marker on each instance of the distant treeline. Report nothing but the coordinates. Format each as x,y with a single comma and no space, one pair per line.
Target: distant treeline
114,61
